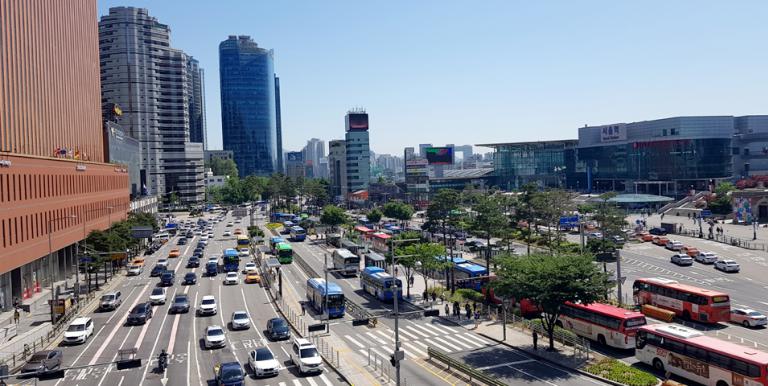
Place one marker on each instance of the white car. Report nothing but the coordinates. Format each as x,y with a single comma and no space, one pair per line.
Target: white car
135,270
673,245
727,266
240,320
207,306
706,257
230,224
681,259
250,267
79,330
263,362
243,252
158,295
215,337
305,356
197,232
213,259
748,317
231,278
162,262
227,233
204,238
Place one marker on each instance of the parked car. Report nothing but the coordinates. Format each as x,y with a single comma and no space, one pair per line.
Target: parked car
706,257
207,306
618,240
660,240
43,361
111,300
673,245
240,321
305,356
690,251
215,337
727,266
140,314
681,259
748,317
79,330
263,362
277,329
658,231
158,295
180,304
190,278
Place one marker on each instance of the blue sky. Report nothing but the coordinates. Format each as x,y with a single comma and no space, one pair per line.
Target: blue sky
481,72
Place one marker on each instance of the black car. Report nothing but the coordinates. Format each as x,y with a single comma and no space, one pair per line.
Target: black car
277,328
157,271
167,278
658,231
198,250
190,278
180,304
140,314
182,241
43,361
193,262
190,234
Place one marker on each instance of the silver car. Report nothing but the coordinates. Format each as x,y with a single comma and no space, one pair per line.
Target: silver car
240,321
706,257
681,259
748,317
727,266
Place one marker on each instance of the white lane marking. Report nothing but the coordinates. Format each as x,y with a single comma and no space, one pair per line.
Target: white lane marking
379,352
415,349
253,324
477,339
197,342
421,344
311,381
281,384
376,338
220,310
446,349
152,352
452,339
408,334
507,364
351,339
114,330
452,330
174,330
417,331
189,362
122,378
447,343
386,335
430,327
296,382
122,344
325,380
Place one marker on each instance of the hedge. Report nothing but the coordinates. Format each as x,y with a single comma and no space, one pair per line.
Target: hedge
621,372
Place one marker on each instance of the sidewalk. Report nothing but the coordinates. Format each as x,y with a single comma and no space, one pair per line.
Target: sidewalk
743,232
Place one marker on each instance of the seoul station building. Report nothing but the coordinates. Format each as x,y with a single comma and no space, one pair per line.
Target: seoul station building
54,181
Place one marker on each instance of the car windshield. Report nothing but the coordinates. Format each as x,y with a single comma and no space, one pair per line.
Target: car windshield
263,354
139,309
754,313
240,315
76,327
231,375
215,332
180,299
107,298
279,323
190,275
309,352
39,357
157,291
209,301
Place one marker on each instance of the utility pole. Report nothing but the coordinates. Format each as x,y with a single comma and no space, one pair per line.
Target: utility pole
618,276
326,310
395,356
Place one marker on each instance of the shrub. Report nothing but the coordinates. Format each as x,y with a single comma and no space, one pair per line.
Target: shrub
621,372
567,333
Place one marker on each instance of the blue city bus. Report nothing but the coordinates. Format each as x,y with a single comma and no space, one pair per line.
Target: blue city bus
377,282
273,243
316,296
470,275
298,233
231,260
280,217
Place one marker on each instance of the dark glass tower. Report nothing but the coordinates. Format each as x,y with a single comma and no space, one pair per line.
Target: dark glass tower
248,105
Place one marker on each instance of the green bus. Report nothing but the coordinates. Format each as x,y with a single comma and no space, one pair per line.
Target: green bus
284,253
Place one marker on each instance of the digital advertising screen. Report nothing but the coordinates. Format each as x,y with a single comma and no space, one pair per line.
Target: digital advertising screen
439,155
358,121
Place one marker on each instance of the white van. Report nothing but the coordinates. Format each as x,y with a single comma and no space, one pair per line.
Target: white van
162,236
79,330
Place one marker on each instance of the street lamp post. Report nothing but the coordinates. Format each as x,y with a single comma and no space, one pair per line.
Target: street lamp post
50,264
398,355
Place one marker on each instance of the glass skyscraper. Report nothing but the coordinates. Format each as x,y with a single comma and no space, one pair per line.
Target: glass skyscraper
248,105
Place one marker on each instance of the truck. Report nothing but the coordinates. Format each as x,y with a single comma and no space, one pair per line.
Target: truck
229,374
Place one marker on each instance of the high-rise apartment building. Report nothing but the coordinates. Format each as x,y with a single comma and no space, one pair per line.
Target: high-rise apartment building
313,151
149,80
357,150
249,106
337,165
54,184
196,79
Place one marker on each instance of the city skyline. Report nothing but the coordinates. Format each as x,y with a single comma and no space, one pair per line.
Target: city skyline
529,72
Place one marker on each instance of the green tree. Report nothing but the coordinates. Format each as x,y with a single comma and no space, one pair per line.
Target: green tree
398,211
549,281
488,221
423,258
442,212
222,167
333,216
609,217
548,207
374,216
525,212
722,202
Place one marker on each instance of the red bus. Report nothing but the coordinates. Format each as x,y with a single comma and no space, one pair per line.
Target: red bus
691,354
604,323
686,301
527,307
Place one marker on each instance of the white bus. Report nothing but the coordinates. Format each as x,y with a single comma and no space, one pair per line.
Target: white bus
346,261
603,323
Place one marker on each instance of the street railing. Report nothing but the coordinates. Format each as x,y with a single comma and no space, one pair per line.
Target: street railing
580,345
471,372
725,239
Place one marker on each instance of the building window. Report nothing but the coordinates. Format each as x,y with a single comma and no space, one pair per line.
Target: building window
664,132
674,132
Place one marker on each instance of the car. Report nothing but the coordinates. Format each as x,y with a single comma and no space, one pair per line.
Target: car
229,374
139,260
230,224
78,331
240,321
231,278
645,237
193,262
174,253
158,295
263,362
134,270
211,269
594,235
207,306
250,268
681,259
162,262
227,233
673,245
243,252
213,259
727,266
182,241
252,277
203,239
43,361
475,245
180,304
305,357
140,314
215,337
748,317
690,251
618,240
706,257
198,250
167,278
238,231
277,329
111,300
658,231
197,254
158,270
210,234
660,240
190,278
197,232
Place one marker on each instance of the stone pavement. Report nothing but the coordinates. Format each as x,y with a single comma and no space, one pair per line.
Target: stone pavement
743,232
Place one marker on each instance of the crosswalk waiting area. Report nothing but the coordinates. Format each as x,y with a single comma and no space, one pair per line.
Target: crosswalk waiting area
315,381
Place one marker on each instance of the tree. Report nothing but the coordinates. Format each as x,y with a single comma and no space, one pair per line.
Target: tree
441,213
421,257
374,216
525,212
333,216
222,167
398,211
722,202
609,217
549,281
488,221
548,207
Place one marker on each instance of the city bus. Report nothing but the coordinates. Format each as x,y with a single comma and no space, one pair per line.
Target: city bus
284,253
703,359
243,241
316,296
378,283
603,323
298,233
273,243
231,260
346,261
688,302
470,275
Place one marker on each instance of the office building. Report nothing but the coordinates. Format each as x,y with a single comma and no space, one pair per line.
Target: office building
750,146
357,151
543,163
218,154
124,150
148,80
313,152
279,125
337,165
55,184
295,165
196,79
422,149
249,106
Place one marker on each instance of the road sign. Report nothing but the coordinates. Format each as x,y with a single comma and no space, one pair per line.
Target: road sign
86,260
316,327
623,279
706,213
141,232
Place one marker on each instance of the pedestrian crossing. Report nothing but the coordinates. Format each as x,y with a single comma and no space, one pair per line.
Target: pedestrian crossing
414,339
320,380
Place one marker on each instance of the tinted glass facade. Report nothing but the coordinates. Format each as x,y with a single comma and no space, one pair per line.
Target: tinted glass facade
248,106
545,163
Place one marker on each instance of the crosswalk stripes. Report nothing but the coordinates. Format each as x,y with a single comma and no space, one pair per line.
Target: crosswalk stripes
415,349
374,337
468,340
434,328
408,334
388,336
421,328
441,347
454,340
296,382
312,382
447,343
325,380
411,328
477,339
351,339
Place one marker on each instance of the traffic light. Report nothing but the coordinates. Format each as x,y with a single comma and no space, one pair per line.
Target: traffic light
392,360
360,322
432,313
316,327
128,364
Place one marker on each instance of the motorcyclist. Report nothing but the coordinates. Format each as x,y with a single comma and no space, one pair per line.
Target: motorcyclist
162,359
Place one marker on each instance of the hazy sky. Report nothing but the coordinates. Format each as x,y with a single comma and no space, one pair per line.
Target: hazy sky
483,71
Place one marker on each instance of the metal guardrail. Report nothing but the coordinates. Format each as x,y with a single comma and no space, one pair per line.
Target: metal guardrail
470,371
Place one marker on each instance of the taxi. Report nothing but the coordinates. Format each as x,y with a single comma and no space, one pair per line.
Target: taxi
252,277
238,231
138,261
174,253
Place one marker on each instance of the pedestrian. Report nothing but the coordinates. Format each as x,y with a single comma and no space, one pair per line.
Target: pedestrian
434,296
689,215
468,310
447,309
425,295
16,316
535,340
474,306
662,216
303,309
411,280
456,308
